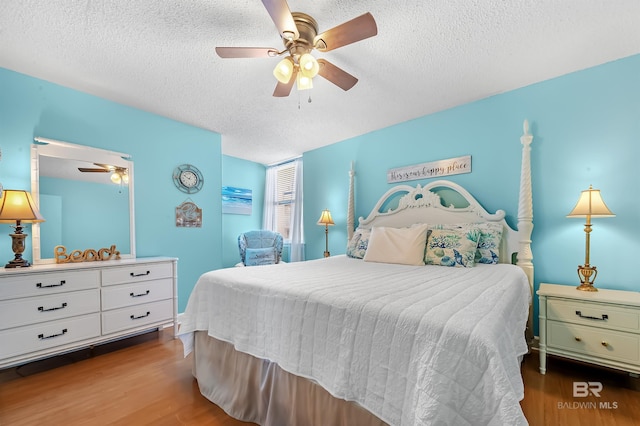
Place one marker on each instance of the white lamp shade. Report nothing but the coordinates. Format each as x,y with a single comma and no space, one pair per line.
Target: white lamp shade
18,205
309,67
304,83
325,218
591,204
284,70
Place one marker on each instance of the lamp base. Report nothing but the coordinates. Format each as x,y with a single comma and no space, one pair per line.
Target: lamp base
17,245
327,254
18,263
587,276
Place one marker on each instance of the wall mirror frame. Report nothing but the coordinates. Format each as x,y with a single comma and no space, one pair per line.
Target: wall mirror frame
64,158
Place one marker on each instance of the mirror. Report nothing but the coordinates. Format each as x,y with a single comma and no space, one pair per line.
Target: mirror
85,195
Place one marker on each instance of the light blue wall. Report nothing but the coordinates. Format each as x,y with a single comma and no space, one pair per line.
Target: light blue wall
586,129
241,174
30,107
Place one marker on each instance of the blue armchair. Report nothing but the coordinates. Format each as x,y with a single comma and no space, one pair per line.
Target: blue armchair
260,247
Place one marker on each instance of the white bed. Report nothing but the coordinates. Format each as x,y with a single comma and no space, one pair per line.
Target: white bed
345,341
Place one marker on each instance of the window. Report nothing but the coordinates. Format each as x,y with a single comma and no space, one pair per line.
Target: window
283,201
285,197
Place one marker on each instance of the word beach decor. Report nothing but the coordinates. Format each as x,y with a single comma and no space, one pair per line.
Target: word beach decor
89,255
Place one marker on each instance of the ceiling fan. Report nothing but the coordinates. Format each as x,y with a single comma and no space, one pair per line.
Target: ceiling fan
118,174
300,36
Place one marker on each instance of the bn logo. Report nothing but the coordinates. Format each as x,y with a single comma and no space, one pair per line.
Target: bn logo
583,389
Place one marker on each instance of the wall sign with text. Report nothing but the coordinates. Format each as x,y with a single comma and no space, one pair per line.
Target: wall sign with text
450,166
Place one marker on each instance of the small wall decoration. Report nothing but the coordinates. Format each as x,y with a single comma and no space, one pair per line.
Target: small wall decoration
450,166
188,215
236,200
88,255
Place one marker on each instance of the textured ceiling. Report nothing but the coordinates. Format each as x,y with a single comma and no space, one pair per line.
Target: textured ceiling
158,56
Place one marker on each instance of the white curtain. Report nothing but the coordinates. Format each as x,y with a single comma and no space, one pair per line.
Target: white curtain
270,216
269,220
297,222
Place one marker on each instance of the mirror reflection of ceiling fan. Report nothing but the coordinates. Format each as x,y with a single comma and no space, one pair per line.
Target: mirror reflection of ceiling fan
300,36
118,174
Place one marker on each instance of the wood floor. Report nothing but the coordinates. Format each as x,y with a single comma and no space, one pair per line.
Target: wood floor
145,380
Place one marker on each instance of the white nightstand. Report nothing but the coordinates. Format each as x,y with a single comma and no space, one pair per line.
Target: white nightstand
600,327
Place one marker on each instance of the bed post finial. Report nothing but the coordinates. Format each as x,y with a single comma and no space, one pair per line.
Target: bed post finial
350,212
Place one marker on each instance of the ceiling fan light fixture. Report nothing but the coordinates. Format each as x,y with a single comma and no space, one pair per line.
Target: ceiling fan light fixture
309,67
303,82
284,70
115,177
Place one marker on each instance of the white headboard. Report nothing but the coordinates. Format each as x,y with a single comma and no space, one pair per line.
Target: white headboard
420,204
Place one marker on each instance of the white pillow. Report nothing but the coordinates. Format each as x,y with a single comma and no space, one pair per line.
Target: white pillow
404,246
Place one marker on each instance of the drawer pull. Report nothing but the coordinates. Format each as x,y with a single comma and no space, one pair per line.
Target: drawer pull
43,337
139,294
133,317
604,316
140,275
62,282
42,309
605,344
578,339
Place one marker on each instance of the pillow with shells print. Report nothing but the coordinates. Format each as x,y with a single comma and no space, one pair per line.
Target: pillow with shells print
452,247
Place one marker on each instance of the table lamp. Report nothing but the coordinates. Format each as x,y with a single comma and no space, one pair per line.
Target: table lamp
325,219
18,206
589,205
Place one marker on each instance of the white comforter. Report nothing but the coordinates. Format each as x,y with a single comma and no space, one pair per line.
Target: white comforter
415,345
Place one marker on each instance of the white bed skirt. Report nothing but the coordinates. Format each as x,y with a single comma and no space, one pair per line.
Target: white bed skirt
259,391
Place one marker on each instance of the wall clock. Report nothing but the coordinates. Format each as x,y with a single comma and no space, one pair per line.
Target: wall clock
188,178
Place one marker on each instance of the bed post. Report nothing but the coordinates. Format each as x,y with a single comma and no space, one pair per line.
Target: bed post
350,212
525,219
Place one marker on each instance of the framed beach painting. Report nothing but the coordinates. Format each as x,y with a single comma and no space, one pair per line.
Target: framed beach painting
236,200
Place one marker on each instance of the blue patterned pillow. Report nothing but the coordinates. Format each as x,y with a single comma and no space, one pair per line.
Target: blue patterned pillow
452,247
489,245
260,256
358,244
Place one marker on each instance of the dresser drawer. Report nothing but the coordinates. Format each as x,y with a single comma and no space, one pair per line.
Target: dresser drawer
31,338
15,286
594,342
594,314
32,310
119,296
136,273
136,316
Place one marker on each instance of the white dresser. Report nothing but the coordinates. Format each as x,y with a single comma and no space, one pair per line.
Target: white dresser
600,327
55,308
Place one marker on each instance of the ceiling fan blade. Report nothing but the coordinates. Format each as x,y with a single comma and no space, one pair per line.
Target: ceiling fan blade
84,169
246,52
364,26
281,16
283,89
336,75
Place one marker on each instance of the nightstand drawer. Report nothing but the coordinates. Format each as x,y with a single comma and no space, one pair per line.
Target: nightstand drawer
136,273
32,310
119,296
594,314
136,316
594,342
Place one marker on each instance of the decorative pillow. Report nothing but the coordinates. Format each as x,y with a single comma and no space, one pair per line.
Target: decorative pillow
260,256
489,245
403,246
452,247
358,244
490,237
